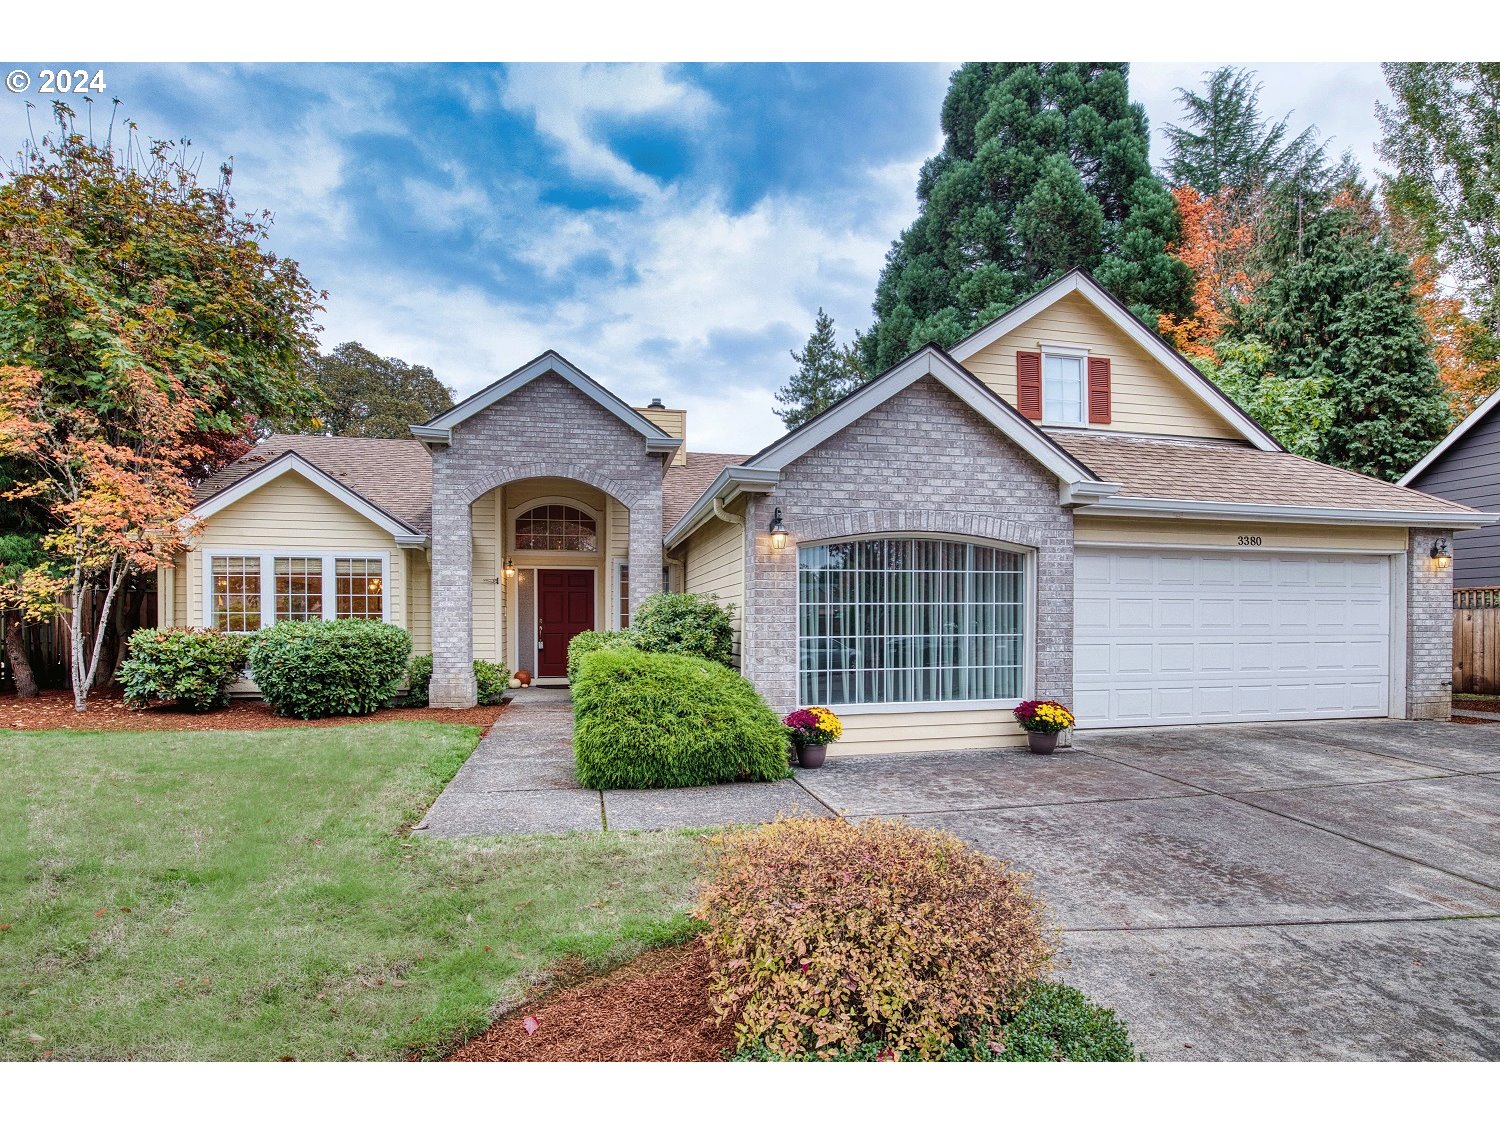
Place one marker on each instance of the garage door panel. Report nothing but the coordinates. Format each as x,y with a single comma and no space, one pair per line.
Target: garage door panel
1271,637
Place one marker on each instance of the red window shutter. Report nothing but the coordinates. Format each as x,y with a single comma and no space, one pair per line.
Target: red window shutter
1029,385
1098,389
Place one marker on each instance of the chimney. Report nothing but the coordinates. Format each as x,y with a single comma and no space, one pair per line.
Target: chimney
672,421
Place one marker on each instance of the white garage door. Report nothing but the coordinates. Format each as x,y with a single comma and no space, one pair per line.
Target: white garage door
1167,637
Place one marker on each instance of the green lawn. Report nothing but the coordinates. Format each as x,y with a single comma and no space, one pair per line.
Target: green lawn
250,896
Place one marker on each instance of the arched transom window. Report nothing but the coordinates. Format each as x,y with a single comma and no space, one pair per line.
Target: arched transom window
910,621
556,527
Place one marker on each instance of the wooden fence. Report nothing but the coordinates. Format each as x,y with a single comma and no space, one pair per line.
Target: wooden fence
47,642
1476,640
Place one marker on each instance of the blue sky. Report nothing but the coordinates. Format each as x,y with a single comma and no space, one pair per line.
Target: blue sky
672,229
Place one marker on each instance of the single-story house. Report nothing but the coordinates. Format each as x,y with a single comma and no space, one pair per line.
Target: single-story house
1465,467
1058,506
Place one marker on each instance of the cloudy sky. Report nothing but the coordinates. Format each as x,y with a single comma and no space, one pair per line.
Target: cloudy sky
671,229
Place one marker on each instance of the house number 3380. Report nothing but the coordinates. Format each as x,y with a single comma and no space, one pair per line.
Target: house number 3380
1249,540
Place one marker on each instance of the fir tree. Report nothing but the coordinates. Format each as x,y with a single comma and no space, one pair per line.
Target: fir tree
825,372
1344,312
1044,167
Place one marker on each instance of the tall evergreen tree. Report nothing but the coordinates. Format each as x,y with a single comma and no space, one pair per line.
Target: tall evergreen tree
1225,142
1345,312
825,372
1044,167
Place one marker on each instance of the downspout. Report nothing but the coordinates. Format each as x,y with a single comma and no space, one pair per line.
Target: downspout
726,516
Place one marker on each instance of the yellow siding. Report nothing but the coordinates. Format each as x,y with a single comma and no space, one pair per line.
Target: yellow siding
291,514
486,606
716,565
887,733
419,601
1147,399
616,546
1217,533
672,421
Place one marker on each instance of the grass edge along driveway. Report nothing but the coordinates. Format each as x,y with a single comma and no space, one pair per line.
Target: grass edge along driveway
250,895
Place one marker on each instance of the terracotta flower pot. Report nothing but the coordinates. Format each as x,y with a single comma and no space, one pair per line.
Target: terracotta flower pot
1039,742
811,757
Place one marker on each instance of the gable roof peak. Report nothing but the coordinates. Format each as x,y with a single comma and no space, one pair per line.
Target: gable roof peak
1080,281
438,430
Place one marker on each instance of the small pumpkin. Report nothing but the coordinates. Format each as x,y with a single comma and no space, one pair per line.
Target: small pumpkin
524,675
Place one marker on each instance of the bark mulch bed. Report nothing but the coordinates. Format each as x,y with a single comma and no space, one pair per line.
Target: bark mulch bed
53,710
1489,703
652,1009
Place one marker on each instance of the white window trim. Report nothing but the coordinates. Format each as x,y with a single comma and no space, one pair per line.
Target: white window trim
1059,351
618,611
1028,640
268,559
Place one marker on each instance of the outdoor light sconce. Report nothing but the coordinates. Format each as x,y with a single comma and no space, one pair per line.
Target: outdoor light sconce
509,570
1441,555
778,530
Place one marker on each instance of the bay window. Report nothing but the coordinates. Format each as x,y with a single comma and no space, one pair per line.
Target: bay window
249,590
900,620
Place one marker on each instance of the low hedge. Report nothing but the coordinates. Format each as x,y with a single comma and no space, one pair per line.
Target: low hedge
492,679
685,625
1055,1023
190,667
309,669
825,937
653,721
590,641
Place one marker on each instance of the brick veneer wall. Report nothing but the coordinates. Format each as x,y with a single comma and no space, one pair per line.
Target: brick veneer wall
548,428
921,462
1429,630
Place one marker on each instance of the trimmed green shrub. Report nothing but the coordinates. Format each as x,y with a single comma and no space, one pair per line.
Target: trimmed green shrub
584,643
685,624
309,669
1055,1023
824,936
190,667
491,678
653,720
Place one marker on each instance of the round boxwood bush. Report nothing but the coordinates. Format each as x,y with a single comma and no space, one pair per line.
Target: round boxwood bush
590,641
684,624
825,937
309,669
190,667
491,679
653,720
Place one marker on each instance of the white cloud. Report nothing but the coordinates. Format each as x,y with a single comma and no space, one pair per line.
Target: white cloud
569,102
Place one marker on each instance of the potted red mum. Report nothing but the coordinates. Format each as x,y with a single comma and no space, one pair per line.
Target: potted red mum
1043,720
812,729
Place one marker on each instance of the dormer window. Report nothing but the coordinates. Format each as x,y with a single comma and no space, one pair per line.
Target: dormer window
1062,389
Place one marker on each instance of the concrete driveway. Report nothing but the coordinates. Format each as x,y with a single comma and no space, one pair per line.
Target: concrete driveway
1280,891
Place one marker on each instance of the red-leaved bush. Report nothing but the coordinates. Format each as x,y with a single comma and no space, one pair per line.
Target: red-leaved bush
824,934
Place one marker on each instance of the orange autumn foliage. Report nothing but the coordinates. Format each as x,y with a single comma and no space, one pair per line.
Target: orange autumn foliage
1216,249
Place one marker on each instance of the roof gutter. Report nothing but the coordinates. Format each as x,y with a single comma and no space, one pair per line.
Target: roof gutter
1458,519
732,483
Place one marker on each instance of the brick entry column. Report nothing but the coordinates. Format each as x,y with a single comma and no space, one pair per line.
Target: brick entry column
452,596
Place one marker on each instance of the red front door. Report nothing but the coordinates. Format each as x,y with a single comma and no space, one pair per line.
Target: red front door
565,608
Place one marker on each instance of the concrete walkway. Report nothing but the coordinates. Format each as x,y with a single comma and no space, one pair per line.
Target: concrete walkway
520,779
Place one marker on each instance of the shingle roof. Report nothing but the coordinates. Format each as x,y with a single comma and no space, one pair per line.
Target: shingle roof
396,473
1230,472
392,473
683,484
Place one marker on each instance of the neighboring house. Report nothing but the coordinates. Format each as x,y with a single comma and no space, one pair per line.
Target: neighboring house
1465,467
1059,505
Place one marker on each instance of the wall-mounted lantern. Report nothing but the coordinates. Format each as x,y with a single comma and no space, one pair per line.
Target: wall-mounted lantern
1441,555
778,530
509,570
